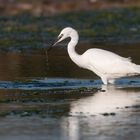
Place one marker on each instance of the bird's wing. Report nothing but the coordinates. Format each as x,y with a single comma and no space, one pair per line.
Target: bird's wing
108,62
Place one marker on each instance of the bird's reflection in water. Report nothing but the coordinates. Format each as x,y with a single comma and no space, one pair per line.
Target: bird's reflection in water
108,100
87,120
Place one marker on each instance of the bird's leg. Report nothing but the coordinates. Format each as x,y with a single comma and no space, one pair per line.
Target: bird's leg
111,81
104,80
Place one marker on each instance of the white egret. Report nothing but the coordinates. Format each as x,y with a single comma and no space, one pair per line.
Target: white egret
107,65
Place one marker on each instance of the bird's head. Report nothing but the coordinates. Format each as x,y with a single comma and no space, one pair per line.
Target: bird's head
65,33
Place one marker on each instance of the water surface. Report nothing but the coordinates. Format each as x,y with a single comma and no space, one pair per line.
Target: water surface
46,96
55,63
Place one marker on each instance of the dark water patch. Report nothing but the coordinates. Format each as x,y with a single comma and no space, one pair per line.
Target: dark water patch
109,114
46,96
48,103
34,64
45,111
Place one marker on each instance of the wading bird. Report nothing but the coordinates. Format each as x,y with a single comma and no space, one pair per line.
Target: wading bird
107,65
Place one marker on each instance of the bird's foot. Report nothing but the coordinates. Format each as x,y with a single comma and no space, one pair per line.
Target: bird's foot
111,81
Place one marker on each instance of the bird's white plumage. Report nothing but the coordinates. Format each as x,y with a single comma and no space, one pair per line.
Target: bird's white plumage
105,64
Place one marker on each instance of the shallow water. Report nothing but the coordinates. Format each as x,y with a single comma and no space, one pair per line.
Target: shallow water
48,97
56,63
110,114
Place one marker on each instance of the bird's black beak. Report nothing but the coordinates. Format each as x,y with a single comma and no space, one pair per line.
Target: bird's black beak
56,42
58,39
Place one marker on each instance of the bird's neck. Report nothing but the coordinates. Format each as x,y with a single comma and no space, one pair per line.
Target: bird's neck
76,58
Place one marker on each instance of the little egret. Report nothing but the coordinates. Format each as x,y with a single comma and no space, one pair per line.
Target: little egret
107,65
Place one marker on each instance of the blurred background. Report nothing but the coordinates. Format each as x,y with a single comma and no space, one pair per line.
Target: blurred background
31,23
51,7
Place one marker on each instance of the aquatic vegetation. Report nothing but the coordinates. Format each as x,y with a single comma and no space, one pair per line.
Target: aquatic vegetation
98,26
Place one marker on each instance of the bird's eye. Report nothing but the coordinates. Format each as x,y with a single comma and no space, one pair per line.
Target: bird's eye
60,36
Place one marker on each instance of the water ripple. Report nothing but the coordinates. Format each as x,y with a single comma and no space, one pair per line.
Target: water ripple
52,83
